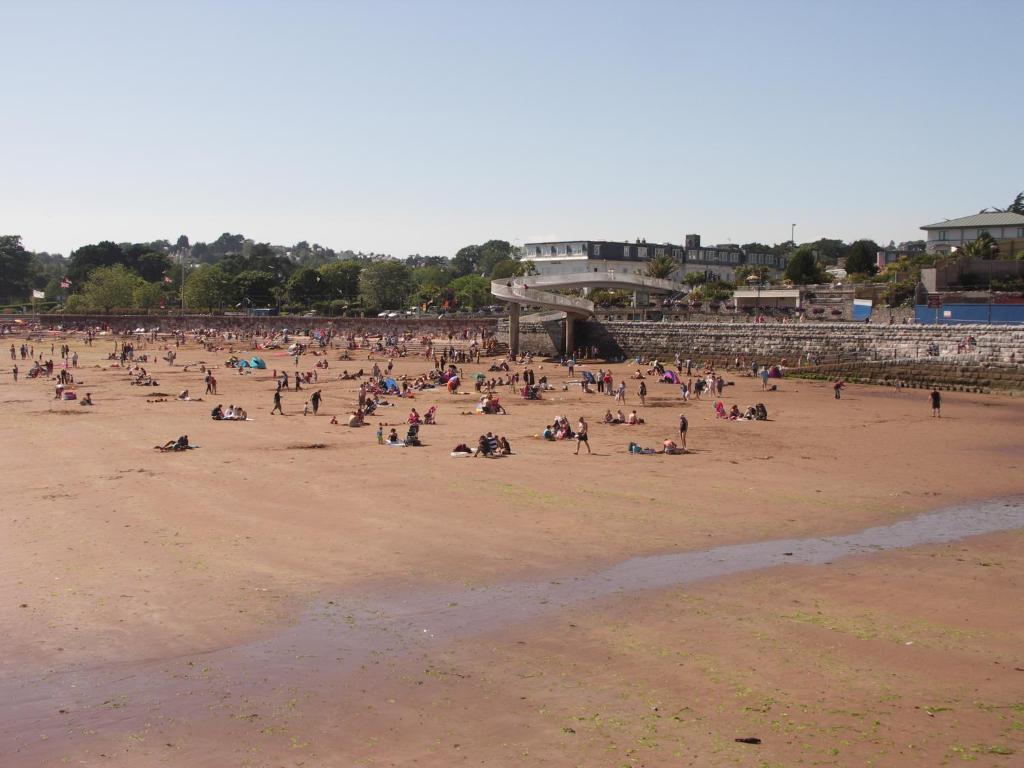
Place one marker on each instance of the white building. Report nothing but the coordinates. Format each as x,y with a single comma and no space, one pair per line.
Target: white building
1007,229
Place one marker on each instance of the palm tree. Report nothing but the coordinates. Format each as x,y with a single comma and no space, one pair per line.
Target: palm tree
1017,206
985,247
661,266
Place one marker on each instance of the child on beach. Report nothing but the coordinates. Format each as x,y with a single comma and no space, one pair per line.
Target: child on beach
380,433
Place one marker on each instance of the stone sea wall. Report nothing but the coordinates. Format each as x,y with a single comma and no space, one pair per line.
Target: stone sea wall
770,342
774,341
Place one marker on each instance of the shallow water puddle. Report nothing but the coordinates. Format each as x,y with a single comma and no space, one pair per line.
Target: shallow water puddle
335,637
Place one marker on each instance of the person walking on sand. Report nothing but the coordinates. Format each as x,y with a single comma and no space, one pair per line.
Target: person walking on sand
936,404
643,393
838,387
684,427
277,404
581,436
315,401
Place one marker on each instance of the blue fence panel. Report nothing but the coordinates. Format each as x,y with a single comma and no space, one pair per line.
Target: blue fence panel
956,314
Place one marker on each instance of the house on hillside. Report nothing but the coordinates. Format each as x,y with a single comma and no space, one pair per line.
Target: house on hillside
1007,229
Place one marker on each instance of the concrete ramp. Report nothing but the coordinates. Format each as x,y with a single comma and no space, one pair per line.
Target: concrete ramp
539,291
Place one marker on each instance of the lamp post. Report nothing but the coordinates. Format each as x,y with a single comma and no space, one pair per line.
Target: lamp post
181,268
756,280
792,234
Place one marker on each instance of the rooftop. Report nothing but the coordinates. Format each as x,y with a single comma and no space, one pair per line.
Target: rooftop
1001,219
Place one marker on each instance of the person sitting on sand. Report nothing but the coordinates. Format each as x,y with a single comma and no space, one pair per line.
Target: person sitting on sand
87,400
430,416
503,446
734,412
240,414
217,413
633,419
620,417
355,419
608,418
483,446
334,419
548,433
393,436
669,447
462,448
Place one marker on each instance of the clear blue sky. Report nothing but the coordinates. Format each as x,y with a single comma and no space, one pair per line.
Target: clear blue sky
404,127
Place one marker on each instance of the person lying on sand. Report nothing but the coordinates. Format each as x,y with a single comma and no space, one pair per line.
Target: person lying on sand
181,444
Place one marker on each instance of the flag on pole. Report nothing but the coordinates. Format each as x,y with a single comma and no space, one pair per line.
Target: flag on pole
38,295
65,283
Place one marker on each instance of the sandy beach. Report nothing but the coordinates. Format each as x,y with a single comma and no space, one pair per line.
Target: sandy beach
293,594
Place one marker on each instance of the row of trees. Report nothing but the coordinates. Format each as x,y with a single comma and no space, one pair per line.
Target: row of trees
233,272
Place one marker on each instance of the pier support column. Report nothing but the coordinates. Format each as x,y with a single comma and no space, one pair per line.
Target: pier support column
570,336
513,328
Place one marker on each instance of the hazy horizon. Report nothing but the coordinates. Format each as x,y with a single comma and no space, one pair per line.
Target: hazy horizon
402,128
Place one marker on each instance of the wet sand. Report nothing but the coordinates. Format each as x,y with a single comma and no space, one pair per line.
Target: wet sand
164,602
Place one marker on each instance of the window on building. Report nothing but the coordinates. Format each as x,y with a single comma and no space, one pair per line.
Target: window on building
625,251
677,254
641,252
942,234
1020,231
659,252
597,249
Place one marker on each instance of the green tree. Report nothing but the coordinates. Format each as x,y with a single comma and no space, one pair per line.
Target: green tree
385,285
15,268
208,288
89,257
465,260
661,266
803,268
605,298
152,266
831,251
481,259
110,287
146,295
431,283
257,286
305,286
861,257
341,279
471,291
1017,206
985,247
492,253
513,268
